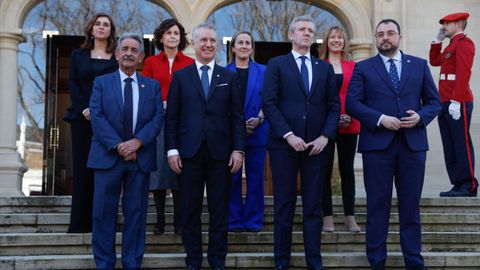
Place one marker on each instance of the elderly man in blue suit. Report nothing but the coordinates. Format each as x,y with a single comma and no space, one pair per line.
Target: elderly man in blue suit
301,102
126,113
394,97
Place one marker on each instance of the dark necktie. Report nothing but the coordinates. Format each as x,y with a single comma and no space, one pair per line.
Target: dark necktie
304,73
204,77
394,74
127,110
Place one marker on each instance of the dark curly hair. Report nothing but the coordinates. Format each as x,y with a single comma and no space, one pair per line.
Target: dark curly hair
88,43
163,27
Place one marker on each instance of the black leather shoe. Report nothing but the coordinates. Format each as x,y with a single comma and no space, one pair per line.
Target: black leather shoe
459,192
236,230
281,268
253,230
218,267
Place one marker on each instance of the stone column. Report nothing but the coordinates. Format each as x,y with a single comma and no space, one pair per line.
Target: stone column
11,167
360,50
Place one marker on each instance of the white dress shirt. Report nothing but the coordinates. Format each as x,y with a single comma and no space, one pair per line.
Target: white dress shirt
210,70
174,152
135,95
397,60
308,63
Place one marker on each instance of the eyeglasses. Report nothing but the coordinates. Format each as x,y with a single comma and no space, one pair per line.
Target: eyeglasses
389,34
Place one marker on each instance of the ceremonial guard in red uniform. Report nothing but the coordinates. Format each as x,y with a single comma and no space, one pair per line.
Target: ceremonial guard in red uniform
456,62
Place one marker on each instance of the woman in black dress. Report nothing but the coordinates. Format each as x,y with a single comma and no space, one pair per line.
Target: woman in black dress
95,57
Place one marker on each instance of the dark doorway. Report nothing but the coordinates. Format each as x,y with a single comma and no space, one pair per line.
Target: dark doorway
57,154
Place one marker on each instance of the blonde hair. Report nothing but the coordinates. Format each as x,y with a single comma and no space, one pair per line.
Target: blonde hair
231,54
324,53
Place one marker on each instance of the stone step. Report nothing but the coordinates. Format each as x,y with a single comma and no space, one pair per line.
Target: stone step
61,204
29,244
58,222
173,261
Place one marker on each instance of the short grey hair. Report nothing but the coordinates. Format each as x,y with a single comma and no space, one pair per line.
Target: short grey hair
204,26
133,36
303,18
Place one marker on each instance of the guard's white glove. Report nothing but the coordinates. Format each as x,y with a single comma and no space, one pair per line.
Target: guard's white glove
454,109
440,36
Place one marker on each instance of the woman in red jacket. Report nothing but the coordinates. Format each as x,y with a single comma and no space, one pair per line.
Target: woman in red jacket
335,51
170,39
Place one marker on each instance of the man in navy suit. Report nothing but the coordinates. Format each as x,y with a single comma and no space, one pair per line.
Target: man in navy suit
394,97
126,113
205,141
301,102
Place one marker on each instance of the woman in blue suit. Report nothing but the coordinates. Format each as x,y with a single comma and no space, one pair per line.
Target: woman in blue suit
248,215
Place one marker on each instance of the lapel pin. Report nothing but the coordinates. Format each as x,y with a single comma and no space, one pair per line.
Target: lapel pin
408,61
316,63
218,75
142,85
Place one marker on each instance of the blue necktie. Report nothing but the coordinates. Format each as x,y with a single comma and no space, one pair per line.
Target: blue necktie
304,73
127,110
394,74
204,77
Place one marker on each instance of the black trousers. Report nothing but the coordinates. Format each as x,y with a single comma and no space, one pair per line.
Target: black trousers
197,171
82,193
346,148
457,146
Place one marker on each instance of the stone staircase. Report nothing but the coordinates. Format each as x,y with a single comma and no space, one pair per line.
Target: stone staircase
32,236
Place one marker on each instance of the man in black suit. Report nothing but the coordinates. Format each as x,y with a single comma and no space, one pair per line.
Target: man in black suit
302,104
204,137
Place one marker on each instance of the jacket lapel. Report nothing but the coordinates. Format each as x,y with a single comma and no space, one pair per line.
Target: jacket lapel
379,66
87,62
195,79
252,79
141,96
214,81
117,88
294,69
405,71
315,74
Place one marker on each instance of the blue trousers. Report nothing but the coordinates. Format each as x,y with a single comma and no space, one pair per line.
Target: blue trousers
406,168
126,176
457,146
248,214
